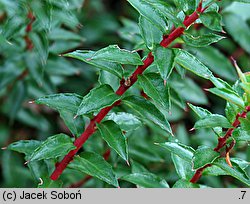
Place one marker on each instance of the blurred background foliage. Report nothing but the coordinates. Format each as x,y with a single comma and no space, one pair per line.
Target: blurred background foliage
31,67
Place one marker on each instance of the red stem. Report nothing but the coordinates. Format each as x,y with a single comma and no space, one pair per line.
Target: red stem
29,43
222,142
121,90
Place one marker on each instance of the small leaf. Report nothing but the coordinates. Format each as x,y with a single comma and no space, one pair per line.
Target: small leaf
164,59
94,165
67,105
113,135
150,13
235,172
53,147
147,111
24,146
202,40
153,85
192,64
188,6
241,135
212,20
83,55
204,155
98,98
183,168
150,33
201,112
126,121
113,53
228,95
181,150
146,180
211,121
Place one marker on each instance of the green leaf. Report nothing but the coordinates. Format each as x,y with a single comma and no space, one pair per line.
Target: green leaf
238,29
146,180
212,20
98,98
150,33
55,146
188,6
236,172
211,121
241,135
113,53
24,146
94,165
191,63
201,40
83,55
201,112
148,111
146,9
126,121
166,10
216,61
204,155
181,150
153,85
183,168
114,137
67,105
228,95
164,59
182,183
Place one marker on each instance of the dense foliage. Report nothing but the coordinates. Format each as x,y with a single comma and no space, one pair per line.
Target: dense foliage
137,93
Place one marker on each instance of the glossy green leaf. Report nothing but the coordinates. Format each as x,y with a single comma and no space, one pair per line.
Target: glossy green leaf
181,150
241,135
235,172
24,146
228,95
216,61
183,168
146,9
67,105
204,155
83,55
146,180
113,53
55,146
187,6
202,40
146,110
166,10
201,112
191,63
211,121
212,20
164,59
126,121
114,137
98,98
150,33
153,85
94,165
